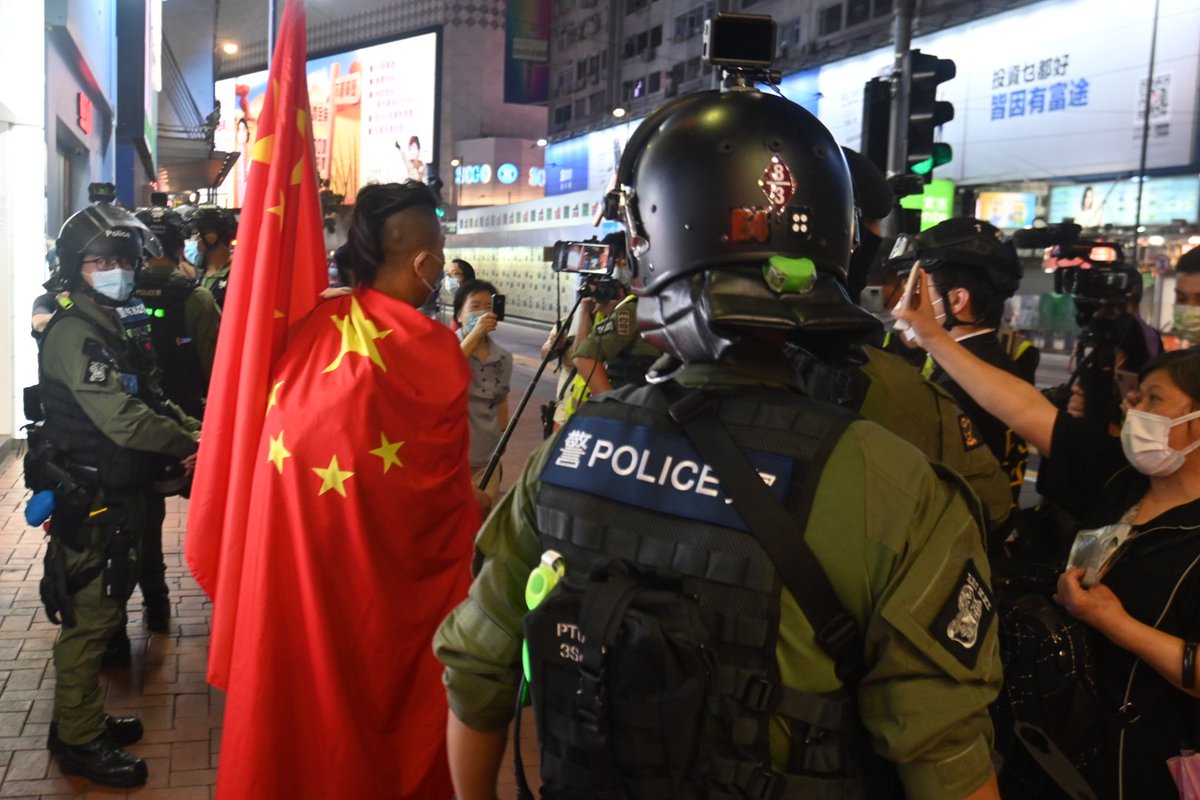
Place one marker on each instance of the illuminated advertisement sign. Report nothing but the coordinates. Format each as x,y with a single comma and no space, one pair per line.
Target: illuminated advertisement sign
1006,210
372,115
1031,101
936,203
587,162
1115,202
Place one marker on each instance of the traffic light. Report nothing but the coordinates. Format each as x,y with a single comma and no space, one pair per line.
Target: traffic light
924,73
877,104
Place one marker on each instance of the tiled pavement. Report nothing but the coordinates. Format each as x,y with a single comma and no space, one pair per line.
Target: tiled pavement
165,686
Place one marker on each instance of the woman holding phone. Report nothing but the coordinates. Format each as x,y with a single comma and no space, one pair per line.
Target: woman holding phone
491,374
1134,577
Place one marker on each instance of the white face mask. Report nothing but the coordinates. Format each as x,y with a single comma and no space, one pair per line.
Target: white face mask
1144,440
450,284
1187,322
115,284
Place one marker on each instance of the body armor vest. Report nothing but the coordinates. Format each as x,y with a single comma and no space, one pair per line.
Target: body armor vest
653,503
183,379
74,434
629,369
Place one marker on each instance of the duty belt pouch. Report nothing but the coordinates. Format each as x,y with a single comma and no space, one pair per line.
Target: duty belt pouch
69,523
620,676
120,575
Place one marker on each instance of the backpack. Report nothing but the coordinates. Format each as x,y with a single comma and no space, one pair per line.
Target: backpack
1050,729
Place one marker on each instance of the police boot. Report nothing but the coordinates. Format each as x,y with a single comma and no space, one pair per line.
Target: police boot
157,615
119,652
102,761
123,730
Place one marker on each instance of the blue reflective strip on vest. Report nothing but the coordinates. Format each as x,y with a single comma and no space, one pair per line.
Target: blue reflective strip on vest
659,471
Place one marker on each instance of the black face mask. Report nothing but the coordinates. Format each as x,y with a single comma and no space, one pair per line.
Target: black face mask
860,263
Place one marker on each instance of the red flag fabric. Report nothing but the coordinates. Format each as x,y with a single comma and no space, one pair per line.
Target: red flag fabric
278,270
359,544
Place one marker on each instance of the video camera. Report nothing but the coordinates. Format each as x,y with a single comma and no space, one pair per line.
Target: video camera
1093,272
593,262
1095,275
742,46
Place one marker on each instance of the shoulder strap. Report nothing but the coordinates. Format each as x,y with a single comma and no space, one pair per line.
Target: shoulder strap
776,531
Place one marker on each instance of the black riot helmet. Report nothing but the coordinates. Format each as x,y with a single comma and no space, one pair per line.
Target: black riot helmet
167,225
102,229
214,219
965,243
739,209
734,177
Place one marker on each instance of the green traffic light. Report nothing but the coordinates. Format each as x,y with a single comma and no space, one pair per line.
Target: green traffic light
942,154
441,212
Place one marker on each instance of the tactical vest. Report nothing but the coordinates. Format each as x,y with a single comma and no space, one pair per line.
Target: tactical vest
70,429
183,378
630,366
623,482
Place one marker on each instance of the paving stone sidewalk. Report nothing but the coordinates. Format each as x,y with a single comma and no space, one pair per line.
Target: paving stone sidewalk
165,686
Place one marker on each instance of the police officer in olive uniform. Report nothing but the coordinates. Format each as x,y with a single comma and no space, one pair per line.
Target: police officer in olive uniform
110,435
888,391
739,212
216,229
612,355
185,319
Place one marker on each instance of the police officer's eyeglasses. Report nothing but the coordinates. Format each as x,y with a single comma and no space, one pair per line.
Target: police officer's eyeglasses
106,263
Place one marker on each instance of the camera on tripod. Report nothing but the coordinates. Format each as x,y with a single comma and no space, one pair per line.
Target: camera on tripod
593,262
1094,273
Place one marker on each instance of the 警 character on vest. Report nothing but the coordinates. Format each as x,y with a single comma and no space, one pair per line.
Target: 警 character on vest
739,215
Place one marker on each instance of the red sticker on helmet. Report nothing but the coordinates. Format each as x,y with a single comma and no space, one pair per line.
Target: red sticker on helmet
778,183
749,225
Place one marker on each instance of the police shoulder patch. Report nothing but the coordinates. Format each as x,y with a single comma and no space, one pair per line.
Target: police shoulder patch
624,324
963,621
97,372
970,436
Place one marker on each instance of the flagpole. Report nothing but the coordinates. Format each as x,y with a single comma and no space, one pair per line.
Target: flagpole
270,30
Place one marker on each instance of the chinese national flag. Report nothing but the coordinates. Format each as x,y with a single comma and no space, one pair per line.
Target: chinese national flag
358,545
278,271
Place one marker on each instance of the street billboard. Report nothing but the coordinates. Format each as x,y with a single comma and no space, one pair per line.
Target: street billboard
373,115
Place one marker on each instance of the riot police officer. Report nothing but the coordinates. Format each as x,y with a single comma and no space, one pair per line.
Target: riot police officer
738,209
216,229
108,434
185,318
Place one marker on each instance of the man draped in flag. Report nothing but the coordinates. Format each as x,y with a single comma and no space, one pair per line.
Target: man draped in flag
332,515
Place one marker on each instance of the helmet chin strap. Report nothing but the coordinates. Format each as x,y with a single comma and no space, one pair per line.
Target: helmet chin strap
951,321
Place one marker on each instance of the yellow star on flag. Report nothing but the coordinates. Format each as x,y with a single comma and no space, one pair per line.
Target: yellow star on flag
302,126
263,149
273,397
387,451
358,336
332,478
278,452
278,210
